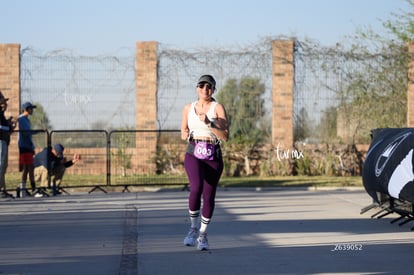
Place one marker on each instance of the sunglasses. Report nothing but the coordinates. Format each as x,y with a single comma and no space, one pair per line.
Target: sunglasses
201,86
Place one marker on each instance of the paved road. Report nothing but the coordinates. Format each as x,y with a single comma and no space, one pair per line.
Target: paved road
288,231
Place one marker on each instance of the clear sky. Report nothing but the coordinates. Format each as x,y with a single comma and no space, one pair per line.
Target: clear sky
95,27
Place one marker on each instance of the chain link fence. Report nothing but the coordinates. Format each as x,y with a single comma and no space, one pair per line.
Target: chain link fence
80,92
179,71
98,93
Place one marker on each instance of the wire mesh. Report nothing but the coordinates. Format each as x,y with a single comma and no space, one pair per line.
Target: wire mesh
179,70
342,94
80,92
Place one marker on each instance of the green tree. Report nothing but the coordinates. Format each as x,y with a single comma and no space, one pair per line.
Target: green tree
402,25
39,119
327,127
244,104
122,156
302,127
379,90
372,77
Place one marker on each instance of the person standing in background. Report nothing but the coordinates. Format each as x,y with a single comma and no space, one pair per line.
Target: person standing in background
6,128
26,147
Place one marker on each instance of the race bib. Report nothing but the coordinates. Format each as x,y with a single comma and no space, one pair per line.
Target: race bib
204,150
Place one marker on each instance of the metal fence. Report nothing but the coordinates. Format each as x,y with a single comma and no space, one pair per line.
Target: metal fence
84,93
98,92
112,159
179,70
80,92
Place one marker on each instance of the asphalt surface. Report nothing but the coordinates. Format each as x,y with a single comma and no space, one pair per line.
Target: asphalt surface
269,231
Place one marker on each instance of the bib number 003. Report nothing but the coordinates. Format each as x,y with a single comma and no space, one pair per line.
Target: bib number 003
204,150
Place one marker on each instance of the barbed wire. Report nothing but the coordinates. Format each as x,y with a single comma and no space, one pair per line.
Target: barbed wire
80,92
99,91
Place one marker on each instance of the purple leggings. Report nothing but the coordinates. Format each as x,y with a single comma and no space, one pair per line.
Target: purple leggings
204,176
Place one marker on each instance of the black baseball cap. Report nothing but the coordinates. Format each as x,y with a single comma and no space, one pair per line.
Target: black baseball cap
207,78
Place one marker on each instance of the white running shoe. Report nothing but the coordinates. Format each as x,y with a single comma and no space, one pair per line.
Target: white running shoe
191,237
202,242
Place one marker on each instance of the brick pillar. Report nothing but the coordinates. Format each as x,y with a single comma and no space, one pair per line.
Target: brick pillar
282,93
10,87
146,104
410,86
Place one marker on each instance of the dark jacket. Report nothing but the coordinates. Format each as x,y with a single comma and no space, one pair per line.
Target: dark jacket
5,128
46,157
25,142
